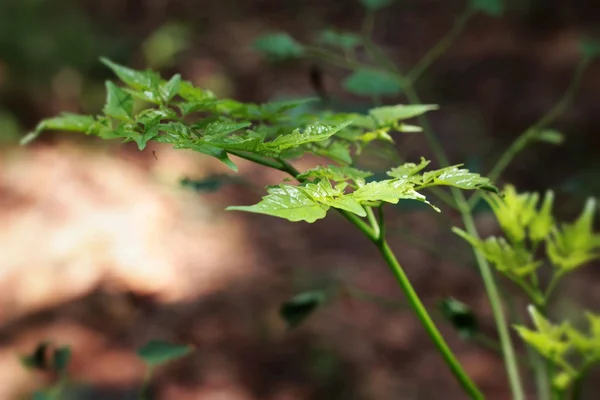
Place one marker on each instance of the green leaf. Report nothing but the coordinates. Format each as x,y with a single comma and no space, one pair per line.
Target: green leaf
390,191
389,115
460,316
550,348
207,185
408,169
210,150
297,309
574,244
192,93
138,80
289,202
541,224
337,151
169,89
460,178
119,104
65,122
157,352
590,48
62,356
367,82
342,40
279,46
549,136
493,8
337,174
224,128
315,132
374,5
515,262
38,359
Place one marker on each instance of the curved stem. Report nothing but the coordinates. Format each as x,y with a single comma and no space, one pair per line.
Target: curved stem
440,47
427,322
524,138
373,221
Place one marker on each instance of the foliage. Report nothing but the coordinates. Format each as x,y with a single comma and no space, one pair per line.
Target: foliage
147,108
570,350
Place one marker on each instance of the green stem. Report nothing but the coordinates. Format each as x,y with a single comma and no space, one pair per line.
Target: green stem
524,138
145,384
551,286
373,221
441,47
267,162
511,365
427,322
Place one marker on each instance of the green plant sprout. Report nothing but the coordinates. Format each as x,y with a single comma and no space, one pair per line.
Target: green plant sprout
174,111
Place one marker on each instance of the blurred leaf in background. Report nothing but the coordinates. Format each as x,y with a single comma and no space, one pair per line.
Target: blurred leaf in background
163,45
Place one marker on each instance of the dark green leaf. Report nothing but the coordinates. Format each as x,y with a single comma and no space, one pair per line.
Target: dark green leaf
366,82
279,46
460,316
375,4
138,80
119,104
157,352
38,359
343,40
297,309
62,356
197,106
493,8
590,48
206,185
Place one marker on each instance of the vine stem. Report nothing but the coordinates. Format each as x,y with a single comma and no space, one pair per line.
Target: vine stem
524,138
427,322
440,47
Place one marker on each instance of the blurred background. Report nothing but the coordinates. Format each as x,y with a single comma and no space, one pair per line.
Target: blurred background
102,248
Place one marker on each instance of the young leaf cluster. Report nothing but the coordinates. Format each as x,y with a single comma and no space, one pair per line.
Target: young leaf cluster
528,223
569,349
